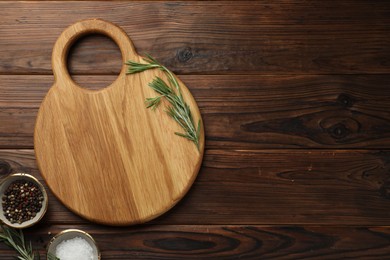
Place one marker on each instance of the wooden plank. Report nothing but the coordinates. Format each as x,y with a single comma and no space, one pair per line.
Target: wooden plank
267,187
227,242
243,112
284,37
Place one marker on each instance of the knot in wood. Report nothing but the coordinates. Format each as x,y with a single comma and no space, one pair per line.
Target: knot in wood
184,54
5,168
338,131
345,100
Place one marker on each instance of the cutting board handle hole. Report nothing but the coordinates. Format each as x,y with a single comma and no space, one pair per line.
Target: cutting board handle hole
117,39
97,56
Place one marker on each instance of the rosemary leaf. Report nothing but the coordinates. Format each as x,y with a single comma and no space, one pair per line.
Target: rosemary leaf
178,110
153,102
185,136
160,87
15,239
150,59
137,67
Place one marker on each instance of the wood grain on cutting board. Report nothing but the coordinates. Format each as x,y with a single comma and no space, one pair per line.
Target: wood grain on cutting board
102,153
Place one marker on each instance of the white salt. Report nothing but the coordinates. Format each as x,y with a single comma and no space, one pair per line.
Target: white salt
74,249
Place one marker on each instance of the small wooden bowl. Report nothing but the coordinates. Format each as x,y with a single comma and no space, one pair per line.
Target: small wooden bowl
24,177
69,234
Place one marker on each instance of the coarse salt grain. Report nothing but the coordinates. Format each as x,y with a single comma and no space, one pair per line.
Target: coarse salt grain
74,249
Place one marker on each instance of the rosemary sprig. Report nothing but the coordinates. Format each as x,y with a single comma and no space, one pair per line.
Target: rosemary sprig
178,109
15,239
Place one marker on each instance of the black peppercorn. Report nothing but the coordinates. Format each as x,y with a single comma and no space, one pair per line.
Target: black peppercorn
21,201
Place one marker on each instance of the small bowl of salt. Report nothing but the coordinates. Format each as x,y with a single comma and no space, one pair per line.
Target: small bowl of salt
73,244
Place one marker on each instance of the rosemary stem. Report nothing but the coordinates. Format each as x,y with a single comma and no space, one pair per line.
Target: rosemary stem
179,109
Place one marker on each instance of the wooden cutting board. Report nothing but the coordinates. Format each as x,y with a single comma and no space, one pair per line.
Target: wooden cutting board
103,154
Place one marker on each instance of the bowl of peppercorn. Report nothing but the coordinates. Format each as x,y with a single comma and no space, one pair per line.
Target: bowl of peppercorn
23,200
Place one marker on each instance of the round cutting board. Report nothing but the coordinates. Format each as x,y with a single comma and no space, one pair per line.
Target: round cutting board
103,154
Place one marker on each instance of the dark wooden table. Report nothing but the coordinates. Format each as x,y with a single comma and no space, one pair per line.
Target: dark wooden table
295,96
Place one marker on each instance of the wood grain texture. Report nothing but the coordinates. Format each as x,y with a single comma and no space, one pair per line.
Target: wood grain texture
276,81
104,155
228,242
267,187
244,112
283,37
